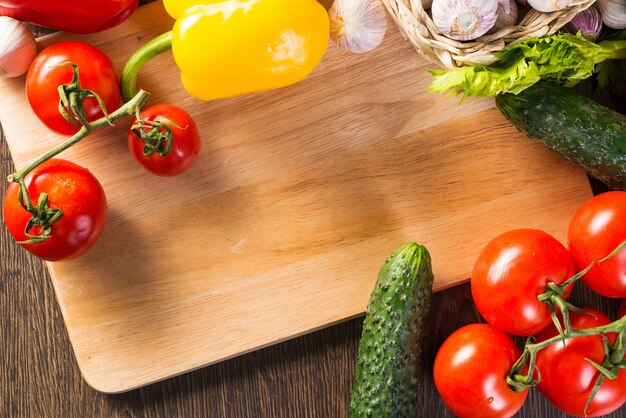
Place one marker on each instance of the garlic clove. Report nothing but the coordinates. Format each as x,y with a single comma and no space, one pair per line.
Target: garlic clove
613,13
588,22
547,6
357,26
505,18
464,19
17,47
505,5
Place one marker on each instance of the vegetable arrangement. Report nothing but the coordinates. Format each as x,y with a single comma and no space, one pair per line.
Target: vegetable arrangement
577,356
525,80
53,208
56,209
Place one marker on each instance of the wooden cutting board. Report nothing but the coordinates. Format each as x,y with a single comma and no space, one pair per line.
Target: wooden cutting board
298,197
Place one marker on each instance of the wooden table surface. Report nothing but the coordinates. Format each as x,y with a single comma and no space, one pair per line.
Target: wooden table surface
307,376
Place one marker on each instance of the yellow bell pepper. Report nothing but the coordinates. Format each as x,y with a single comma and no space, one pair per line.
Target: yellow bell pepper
224,48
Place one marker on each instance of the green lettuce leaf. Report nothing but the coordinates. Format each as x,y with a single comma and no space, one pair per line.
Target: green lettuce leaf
562,58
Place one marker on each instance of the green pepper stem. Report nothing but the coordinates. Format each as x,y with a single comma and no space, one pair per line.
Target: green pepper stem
145,53
128,109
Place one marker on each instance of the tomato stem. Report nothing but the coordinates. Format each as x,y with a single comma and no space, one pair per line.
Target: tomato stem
520,381
128,109
145,53
43,216
614,252
72,96
554,297
156,135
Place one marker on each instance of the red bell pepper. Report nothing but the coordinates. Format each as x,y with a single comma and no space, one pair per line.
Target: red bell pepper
78,16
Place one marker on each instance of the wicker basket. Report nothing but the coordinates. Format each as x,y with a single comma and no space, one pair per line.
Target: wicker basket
417,26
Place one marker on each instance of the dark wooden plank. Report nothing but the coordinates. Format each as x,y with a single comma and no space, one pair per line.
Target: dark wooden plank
308,376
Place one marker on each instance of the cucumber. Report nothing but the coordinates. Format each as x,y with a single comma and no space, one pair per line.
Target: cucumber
393,331
579,129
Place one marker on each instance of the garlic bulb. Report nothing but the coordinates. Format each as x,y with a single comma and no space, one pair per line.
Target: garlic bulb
357,26
547,6
17,47
588,22
464,19
505,18
613,13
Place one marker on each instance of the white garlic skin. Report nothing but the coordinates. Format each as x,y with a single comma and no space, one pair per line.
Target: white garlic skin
613,13
357,26
505,18
464,20
547,6
18,47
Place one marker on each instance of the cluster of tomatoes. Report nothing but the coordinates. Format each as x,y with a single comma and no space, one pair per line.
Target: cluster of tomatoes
472,365
70,187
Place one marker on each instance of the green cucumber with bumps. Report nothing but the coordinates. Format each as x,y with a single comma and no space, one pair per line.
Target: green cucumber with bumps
394,327
582,131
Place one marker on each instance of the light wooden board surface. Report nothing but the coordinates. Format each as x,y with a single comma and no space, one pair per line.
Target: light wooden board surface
296,200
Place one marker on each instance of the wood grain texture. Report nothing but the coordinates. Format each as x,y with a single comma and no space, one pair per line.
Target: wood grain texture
309,376
280,227
298,196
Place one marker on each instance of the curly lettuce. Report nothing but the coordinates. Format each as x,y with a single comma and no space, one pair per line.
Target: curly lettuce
562,58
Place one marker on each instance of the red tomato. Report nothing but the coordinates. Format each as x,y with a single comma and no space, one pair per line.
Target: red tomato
75,191
186,146
596,229
621,311
96,73
470,373
567,378
509,274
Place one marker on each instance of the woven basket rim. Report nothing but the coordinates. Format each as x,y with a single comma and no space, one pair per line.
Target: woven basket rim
418,28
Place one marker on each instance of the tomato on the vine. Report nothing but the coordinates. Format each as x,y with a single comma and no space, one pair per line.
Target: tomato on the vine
185,136
511,271
621,311
596,229
46,74
75,191
567,378
470,373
